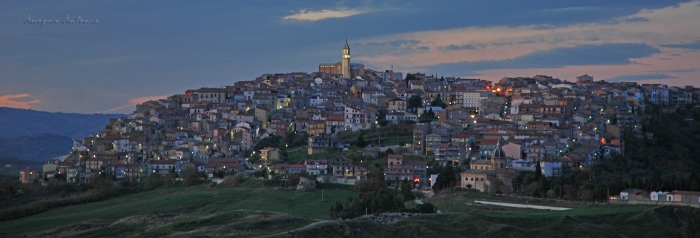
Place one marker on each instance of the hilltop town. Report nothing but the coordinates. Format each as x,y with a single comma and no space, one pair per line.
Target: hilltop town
328,125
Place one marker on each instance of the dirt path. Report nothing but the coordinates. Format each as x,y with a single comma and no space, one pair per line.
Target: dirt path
522,205
318,222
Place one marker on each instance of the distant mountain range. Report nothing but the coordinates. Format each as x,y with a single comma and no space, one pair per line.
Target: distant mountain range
42,147
22,122
40,136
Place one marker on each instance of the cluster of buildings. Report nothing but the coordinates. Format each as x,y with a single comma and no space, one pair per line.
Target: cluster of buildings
637,196
513,124
494,129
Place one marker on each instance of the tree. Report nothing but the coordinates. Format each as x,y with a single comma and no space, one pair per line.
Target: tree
438,102
233,180
538,171
361,141
427,116
154,181
255,158
389,151
414,102
191,177
426,208
406,190
409,77
570,192
446,177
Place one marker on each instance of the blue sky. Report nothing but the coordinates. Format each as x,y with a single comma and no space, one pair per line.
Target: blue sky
140,50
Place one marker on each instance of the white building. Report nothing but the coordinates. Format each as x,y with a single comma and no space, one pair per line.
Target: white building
358,119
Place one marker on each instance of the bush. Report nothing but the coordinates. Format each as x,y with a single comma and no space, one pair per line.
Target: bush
212,184
426,208
233,180
191,178
154,180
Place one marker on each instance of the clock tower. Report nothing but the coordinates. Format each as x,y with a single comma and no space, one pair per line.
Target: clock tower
346,60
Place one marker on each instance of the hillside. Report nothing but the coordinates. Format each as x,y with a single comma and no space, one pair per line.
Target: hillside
39,148
18,164
22,122
252,212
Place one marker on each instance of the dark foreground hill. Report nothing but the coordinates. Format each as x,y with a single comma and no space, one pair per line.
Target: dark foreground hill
202,211
22,122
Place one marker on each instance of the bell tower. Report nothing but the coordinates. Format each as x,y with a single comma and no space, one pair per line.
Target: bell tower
346,60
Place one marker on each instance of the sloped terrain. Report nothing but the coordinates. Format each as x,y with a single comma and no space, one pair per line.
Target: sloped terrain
21,122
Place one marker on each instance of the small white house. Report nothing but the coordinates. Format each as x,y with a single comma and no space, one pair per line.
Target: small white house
654,196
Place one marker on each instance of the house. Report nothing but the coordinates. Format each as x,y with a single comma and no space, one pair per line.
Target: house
450,154
551,167
28,175
654,196
686,197
270,154
316,166
162,167
227,168
419,134
296,168
358,119
396,105
627,193
324,143
344,171
396,117
306,184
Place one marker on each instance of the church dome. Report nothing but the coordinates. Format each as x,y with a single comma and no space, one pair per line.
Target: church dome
498,152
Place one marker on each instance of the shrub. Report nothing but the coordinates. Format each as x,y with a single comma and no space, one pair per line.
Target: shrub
212,184
426,208
233,180
191,178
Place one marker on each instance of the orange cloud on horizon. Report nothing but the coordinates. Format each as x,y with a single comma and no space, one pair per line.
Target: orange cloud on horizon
11,101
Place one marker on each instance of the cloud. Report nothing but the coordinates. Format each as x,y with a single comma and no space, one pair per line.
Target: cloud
132,103
690,46
310,15
630,45
568,9
682,70
640,77
17,101
394,43
607,54
464,47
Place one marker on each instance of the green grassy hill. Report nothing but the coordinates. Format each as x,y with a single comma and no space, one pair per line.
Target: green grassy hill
198,210
252,212
633,221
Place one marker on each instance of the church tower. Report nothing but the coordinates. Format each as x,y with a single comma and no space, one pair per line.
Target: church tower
346,60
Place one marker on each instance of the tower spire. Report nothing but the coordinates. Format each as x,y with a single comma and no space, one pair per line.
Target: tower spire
346,60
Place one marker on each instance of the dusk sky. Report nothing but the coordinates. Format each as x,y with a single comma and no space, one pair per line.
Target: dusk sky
141,50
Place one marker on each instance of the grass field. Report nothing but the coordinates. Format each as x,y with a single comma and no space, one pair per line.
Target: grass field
250,212
198,202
